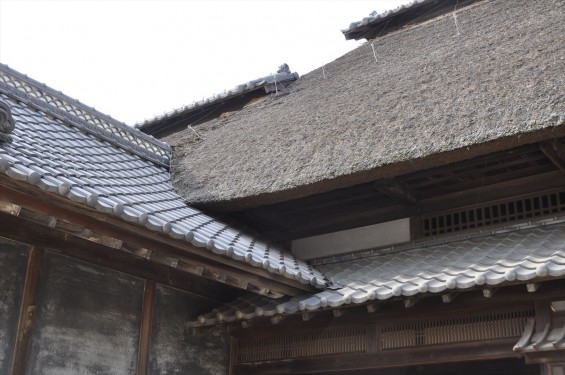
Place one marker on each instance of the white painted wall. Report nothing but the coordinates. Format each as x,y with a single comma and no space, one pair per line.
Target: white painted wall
346,241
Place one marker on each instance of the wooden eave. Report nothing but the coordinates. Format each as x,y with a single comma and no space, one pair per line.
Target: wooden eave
60,225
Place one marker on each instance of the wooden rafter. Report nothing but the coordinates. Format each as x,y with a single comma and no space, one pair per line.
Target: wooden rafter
555,151
60,208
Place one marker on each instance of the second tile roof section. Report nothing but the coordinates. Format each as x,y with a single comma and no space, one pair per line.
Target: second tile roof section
59,158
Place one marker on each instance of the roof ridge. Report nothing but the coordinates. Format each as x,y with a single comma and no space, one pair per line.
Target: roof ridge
269,82
73,109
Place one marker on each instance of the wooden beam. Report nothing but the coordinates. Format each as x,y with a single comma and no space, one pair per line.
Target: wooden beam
449,297
27,232
474,351
554,150
396,190
517,188
532,287
63,209
489,292
20,357
145,330
372,307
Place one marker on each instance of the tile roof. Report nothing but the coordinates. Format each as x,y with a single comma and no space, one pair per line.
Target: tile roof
514,254
23,87
268,83
61,155
375,18
549,339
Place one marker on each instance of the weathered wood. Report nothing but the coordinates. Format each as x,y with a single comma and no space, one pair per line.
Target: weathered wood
493,349
20,359
532,287
24,231
368,215
397,190
554,150
145,329
13,265
63,209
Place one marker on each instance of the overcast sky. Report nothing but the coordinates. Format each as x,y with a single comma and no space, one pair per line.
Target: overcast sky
137,59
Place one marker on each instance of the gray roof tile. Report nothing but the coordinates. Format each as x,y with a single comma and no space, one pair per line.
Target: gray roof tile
520,253
56,156
62,105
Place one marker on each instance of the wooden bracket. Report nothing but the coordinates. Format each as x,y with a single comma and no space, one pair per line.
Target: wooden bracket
372,307
554,150
449,297
396,190
489,292
533,287
410,302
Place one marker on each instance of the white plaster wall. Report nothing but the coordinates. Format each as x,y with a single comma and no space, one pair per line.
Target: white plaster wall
346,241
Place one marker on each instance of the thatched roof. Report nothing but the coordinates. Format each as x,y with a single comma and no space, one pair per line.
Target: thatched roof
436,94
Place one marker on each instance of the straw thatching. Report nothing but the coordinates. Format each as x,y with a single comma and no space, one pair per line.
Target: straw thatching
437,93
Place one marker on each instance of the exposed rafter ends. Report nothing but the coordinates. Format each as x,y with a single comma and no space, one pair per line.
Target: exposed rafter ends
533,287
489,292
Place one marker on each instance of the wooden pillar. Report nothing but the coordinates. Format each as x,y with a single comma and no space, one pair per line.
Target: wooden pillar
553,368
145,331
27,311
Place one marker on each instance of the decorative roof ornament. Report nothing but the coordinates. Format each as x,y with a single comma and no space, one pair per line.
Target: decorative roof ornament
7,123
284,68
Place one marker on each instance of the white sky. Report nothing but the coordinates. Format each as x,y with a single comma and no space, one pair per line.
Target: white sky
137,59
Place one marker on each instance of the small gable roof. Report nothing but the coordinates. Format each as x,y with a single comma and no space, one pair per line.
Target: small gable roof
426,95
64,148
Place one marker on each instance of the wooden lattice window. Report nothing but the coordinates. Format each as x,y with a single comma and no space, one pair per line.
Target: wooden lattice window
504,212
455,330
329,341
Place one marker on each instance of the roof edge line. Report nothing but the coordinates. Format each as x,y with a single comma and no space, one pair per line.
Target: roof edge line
87,127
119,124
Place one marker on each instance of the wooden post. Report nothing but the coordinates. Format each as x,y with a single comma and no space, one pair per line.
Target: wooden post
27,311
145,330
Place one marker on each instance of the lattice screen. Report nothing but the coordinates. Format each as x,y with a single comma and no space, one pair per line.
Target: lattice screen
519,209
390,336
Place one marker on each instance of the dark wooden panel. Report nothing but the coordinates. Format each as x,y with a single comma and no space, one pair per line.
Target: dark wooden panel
87,319
13,261
178,350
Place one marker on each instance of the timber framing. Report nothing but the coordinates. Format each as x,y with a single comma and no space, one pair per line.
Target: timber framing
27,312
95,230
504,317
517,172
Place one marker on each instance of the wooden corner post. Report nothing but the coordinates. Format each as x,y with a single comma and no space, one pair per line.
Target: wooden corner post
27,312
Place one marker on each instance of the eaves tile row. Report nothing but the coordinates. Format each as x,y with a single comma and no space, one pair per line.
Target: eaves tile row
484,261
60,158
72,107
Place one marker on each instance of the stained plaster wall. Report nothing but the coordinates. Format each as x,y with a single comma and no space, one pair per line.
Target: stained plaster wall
13,261
88,318
175,349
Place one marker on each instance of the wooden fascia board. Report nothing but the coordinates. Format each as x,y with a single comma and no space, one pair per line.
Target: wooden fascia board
50,204
494,349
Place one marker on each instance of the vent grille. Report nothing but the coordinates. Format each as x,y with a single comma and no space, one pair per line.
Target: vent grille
531,207
330,341
477,328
